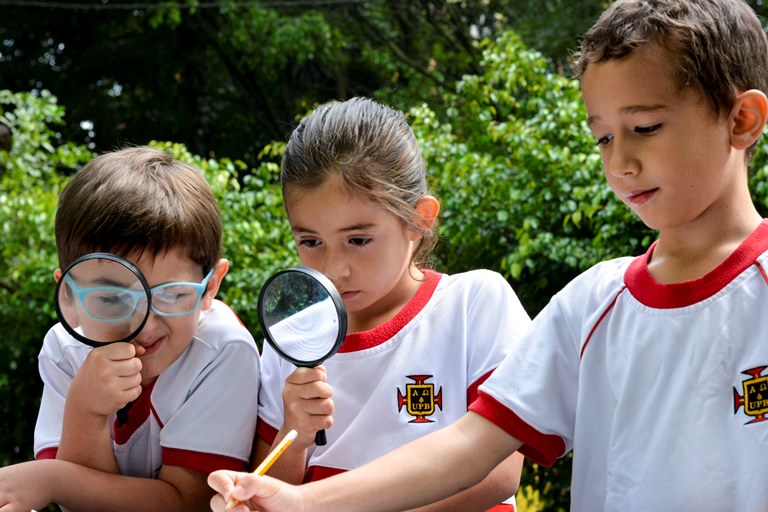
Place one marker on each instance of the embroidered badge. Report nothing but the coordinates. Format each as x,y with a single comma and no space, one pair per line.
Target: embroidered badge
755,398
420,399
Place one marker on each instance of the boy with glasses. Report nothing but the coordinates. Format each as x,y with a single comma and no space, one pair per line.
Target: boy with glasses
174,378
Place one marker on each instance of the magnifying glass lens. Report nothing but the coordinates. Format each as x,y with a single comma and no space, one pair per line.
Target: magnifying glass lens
302,316
102,298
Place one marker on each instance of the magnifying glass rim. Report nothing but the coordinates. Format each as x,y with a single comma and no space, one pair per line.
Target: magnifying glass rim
335,296
117,259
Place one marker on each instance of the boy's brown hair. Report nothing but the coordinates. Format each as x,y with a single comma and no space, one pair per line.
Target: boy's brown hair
138,201
717,46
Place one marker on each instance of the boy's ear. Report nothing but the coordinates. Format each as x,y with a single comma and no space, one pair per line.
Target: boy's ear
750,111
219,271
57,275
427,209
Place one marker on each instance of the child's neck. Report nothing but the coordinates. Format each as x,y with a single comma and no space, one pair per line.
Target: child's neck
687,253
386,308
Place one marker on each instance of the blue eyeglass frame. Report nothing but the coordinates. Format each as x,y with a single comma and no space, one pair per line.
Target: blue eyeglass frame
80,293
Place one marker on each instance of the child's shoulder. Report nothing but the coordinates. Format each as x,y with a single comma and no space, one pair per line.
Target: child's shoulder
603,278
477,278
479,286
60,347
219,325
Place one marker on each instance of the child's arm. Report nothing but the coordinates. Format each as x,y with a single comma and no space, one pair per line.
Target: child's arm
33,485
307,407
423,471
108,380
499,485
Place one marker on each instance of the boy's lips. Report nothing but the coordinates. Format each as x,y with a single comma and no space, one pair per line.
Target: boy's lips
638,197
150,345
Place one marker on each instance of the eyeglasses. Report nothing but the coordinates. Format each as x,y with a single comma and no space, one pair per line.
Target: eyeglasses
116,303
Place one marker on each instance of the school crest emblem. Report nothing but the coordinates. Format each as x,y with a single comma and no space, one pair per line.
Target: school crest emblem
755,397
420,399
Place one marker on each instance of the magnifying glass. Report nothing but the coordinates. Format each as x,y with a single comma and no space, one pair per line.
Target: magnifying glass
303,318
102,298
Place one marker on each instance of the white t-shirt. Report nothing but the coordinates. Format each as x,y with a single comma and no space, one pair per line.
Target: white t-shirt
660,390
412,375
196,414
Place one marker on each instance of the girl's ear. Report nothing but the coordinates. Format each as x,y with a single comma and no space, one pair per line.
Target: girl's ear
57,275
219,271
427,209
749,113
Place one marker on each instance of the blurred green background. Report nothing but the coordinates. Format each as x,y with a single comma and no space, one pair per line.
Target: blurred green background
485,85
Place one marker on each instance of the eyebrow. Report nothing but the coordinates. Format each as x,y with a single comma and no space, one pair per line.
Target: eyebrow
631,110
353,227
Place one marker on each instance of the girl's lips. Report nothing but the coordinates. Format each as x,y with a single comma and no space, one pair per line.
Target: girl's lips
641,196
348,295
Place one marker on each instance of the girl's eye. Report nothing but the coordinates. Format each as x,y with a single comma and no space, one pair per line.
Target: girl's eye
604,140
309,242
647,130
360,241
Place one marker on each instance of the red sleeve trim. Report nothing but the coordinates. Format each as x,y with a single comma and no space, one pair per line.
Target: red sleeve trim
503,507
202,462
543,449
47,453
265,431
472,392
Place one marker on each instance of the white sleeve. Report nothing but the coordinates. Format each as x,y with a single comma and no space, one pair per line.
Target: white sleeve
274,371
58,361
498,321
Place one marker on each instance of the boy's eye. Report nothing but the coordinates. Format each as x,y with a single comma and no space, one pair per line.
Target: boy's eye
359,241
168,296
647,130
309,242
604,140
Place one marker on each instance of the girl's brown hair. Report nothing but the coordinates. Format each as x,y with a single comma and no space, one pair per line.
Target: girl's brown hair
372,149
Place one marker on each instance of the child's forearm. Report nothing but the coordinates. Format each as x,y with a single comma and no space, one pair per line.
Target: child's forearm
498,486
76,487
86,440
424,471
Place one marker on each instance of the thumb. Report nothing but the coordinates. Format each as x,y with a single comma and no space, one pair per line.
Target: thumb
249,486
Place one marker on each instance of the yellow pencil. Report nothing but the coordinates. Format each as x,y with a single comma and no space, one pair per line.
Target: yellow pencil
268,461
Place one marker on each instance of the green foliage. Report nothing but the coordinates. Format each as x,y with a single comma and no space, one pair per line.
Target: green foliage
519,178
513,164
31,176
522,191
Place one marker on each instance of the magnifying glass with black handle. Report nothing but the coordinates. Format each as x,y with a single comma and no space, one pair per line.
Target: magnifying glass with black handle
102,298
303,318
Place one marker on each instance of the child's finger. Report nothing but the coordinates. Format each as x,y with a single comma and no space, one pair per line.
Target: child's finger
306,375
222,481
